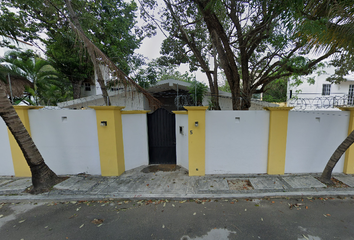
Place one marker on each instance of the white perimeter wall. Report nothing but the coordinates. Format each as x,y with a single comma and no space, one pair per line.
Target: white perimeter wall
312,138
135,138
7,167
236,142
182,140
67,140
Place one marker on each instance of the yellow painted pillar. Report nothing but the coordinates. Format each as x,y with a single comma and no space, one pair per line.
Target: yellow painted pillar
196,140
349,154
110,139
21,167
278,128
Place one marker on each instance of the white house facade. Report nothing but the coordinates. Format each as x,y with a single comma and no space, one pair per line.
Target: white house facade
322,95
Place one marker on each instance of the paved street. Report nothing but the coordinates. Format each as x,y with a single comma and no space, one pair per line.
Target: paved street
283,218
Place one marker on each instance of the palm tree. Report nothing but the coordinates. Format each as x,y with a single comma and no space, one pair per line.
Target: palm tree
43,178
338,32
38,71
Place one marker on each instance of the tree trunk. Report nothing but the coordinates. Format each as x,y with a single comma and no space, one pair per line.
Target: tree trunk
42,177
215,97
76,89
327,172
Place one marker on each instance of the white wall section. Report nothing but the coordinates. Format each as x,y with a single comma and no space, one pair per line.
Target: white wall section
182,140
135,138
236,142
67,140
312,138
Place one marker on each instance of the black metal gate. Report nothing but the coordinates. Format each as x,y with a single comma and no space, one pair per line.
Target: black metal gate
162,137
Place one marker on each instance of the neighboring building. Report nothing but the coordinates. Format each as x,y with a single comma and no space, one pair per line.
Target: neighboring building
321,95
173,95
18,83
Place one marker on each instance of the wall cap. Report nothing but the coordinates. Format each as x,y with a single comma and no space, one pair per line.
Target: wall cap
196,108
107,107
180,112
278,108
346,108
136,111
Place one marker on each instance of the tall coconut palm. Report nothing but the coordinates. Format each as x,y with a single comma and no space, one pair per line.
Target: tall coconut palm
43,178
337,18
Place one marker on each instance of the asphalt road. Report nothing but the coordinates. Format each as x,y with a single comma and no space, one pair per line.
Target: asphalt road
193,219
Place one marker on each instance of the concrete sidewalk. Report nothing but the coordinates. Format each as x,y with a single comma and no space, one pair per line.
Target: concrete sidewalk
136,184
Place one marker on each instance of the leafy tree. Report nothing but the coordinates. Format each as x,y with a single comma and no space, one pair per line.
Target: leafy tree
197,90
110,24
254,42
276,91
75,67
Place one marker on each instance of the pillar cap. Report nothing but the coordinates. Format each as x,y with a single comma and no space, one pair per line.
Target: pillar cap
278,108
27,107
107,107
180,112
196,108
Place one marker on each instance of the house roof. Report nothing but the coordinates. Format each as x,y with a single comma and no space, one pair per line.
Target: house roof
161,86
172,84
18,85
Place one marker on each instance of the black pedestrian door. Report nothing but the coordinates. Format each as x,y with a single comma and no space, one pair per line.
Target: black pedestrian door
162,137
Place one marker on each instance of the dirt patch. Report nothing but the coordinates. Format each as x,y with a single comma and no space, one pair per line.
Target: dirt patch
239,184
336,183
60,179
161,167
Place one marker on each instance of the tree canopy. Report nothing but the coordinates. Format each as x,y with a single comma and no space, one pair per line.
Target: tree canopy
109,24
253,42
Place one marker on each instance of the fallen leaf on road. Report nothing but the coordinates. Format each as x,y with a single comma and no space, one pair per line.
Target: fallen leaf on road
245,210
97,221
328,214
163,226
194,213
77,209
81,225
1,216
22,221
173,205
262,219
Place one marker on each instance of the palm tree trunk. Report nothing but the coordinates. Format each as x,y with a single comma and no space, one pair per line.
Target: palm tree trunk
327,172
43,178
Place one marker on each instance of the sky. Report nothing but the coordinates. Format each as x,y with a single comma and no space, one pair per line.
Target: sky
150,48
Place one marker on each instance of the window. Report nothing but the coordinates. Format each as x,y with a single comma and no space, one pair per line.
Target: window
351,95
87,86
326,89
